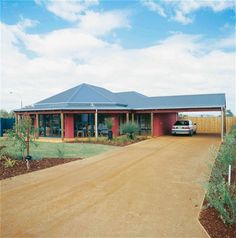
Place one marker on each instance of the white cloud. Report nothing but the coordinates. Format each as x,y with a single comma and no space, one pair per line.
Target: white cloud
71,42
154,6
182,10
180,64
229,42
97,23
86,20
182,18
69,10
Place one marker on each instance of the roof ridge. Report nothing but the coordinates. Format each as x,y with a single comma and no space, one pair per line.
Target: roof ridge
183,95
76,91
92,87
135,92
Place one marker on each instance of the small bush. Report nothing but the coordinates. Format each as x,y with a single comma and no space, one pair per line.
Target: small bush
9,163
219,194
222,198
60,151
130,129
227,153
121,139
233,131
109,123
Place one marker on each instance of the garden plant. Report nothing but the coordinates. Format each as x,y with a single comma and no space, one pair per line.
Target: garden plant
130,129
109,125
220,194
22,137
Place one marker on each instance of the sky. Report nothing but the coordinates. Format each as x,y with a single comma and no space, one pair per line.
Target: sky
157,48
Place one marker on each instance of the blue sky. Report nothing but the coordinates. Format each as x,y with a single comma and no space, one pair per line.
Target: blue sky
154,47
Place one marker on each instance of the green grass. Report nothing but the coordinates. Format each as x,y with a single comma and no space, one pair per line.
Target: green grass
70,150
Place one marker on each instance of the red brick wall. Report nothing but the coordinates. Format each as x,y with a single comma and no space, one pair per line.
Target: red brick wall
162,123
115,128
69,126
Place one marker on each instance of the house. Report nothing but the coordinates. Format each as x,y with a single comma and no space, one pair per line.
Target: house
81,111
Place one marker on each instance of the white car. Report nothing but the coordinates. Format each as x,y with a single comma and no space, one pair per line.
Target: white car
184,127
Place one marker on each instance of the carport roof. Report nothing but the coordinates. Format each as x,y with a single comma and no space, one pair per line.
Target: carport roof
87,97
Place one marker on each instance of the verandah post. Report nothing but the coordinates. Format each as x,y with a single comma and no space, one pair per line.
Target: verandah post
37,125
132,117
96,123
151,123
127,117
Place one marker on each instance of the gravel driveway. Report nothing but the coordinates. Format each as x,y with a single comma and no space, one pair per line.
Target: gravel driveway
149,189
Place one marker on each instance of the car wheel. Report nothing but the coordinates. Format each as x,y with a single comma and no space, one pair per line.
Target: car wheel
191,133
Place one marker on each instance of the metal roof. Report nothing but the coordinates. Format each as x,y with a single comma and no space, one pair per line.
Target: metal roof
89,97
84,93
189,101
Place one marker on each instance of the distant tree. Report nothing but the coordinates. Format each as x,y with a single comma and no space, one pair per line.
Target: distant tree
6,114
229,113
181,115
28,106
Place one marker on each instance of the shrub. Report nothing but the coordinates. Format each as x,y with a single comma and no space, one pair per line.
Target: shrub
227,153
219,194
130,129
60,151
9,163
222,198
233,131
121,139
109,123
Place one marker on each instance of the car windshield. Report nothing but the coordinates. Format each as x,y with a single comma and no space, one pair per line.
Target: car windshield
181,123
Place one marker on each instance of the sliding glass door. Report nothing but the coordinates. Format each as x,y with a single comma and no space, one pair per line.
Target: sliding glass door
50,125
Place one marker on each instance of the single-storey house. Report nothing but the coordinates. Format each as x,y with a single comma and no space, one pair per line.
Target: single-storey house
81,111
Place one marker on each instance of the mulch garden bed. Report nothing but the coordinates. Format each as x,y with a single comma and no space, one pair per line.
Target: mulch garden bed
20,166
109,142
211,221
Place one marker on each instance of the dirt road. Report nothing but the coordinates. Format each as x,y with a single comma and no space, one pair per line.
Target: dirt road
149,189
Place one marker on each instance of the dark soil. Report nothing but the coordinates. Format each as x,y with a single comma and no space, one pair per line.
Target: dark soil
214,225
21,168
212,222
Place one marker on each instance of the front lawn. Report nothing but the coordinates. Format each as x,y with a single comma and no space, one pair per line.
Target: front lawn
65,150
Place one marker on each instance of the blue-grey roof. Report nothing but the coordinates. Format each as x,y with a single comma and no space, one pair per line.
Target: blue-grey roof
134,99
87,97
83,94
189,101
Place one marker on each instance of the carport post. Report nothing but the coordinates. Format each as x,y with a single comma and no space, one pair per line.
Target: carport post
223,124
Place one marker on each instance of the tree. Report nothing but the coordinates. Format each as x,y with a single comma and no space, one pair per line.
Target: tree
229,113
5,114
22,135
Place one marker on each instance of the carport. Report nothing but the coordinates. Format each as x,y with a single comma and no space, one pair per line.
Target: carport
168,107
